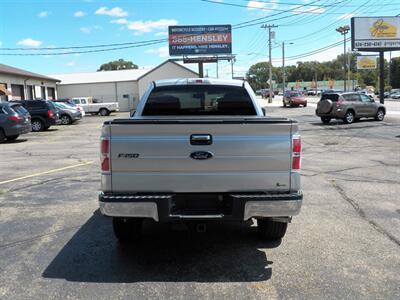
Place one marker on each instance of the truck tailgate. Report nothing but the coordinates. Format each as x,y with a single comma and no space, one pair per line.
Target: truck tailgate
245,155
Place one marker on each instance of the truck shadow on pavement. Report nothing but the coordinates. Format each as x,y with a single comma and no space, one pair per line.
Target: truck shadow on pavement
227,252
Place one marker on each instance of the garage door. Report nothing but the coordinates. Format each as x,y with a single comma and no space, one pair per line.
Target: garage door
17,91
50,93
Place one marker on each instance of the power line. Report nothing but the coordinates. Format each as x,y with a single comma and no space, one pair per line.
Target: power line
82,47
79,52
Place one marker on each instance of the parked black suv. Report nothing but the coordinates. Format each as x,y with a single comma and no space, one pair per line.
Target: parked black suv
43,113
349,107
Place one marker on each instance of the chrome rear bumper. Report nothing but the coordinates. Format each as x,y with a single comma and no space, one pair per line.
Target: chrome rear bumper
161,206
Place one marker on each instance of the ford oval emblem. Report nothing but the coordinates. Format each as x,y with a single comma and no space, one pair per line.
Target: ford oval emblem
201,155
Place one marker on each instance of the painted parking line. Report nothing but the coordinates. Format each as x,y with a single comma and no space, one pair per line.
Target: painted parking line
46,172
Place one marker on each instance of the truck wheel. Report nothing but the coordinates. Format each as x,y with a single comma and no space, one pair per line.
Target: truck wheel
66,120
380,115
104,112
127,229
271,230
37,125
349,117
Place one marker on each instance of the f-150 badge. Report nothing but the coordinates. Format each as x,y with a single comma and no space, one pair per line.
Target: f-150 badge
201,155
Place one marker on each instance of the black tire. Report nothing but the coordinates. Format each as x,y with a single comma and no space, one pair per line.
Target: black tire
12,137
305,105
271,230
380,115
284,104
127,230
349,117
37,125
65,120
2,135
325,120
104,112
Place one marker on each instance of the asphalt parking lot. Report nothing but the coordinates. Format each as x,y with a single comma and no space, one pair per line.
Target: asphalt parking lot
54,244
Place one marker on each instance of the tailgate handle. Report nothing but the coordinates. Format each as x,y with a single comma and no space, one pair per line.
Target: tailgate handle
201,139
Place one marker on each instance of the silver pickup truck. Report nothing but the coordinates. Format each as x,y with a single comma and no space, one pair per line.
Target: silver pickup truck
197,150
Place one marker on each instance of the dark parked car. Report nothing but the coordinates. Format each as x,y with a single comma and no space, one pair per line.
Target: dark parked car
265,93
349,107
14,121
294,98
43,113
68,114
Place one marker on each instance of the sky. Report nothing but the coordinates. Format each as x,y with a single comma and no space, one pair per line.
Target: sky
304,25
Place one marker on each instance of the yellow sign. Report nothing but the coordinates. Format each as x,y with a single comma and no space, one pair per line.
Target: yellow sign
382,29
366,62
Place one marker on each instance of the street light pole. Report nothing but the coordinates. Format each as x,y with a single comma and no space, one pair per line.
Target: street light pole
343,30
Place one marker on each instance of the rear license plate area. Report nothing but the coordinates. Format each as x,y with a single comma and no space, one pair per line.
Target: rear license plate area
201,204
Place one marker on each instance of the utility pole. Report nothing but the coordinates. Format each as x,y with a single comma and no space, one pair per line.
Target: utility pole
233,60
283,69
270,59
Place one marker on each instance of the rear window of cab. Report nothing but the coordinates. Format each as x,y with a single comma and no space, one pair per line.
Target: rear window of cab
191,100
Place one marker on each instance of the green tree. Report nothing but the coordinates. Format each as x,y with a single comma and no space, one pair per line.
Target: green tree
119,64
395,73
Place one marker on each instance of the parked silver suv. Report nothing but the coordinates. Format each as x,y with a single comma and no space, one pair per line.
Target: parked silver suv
349,107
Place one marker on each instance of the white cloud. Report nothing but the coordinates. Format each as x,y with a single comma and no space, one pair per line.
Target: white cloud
122,21
71,64
89,29
85,30
79,14
148,26
161,52
43,14
345,16
162,33
113,12
29,42
255,5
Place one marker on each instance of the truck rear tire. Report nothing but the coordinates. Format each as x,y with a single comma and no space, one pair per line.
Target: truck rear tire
104,112
271,230
127,229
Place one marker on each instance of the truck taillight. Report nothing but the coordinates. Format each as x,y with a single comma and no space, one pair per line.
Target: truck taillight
296,153
105,155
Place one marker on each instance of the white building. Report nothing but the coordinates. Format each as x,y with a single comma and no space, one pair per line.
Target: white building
18,84
122,86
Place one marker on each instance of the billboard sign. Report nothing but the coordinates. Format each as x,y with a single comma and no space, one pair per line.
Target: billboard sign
375,33
200,40
366,62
